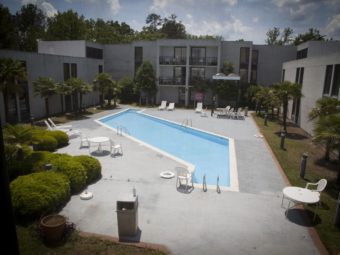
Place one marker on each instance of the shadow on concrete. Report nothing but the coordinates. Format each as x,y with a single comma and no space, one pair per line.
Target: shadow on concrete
303,217
132,239
100,153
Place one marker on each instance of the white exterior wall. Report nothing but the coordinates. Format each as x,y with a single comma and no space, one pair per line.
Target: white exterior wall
313,83
119,60
52,66
63,48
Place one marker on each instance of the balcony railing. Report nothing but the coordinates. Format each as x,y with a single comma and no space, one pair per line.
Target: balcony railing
208,61
171,81
170,60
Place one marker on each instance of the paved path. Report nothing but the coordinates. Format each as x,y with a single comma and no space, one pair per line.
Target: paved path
247,222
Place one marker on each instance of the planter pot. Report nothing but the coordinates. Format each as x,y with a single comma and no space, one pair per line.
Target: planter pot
53,228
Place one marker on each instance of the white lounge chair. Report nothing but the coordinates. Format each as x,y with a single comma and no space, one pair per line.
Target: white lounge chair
184,174
162,106
199,107
59,126
70,133
171,107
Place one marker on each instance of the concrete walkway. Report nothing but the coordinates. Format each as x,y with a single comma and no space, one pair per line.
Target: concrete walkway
247,222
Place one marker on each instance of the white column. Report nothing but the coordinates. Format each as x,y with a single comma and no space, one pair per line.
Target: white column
187,66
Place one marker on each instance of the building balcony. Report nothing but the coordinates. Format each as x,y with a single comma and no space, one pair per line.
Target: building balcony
170,60
208,61
171,81
198,81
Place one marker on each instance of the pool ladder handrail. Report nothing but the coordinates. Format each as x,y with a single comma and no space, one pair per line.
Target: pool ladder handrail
218,189
121,129
187,123
204,183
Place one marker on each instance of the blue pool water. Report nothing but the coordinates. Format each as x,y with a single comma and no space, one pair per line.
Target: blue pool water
209,153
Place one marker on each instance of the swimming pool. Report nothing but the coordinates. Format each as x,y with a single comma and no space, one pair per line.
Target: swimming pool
209,153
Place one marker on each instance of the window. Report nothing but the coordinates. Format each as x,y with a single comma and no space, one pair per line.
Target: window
283,74
180,55
100,69
94,53
254,60
73,70
244,63
138,57
302,53
336,81
299,75
70,70
179,75
328,80
332,81
198,56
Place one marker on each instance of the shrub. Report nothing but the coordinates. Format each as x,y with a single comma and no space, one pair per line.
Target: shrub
17,160
38,159
92,167
60,136
39,193
74,170
45,143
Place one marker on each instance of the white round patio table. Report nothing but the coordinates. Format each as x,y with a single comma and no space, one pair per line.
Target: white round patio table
299,195
100,140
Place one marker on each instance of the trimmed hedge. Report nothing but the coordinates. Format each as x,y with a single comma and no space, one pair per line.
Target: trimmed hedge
60,136
74,170
44,143
92,167
39,193
17,160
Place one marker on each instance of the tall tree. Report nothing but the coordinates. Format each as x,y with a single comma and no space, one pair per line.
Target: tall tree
324,107
11,73
66,26
31,23
327,129
172,28
102,82
44,87
8,33
275,37
311,35
146,81
154,21
287,91
126,90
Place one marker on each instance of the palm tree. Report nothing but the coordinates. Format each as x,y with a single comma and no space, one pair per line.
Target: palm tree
324,107
146,81
44,87
327,129
11,73
80,87
102,82
63,89
287,91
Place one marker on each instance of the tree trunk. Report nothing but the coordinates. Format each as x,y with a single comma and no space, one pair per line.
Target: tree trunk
5,95
338,178
328,149
101,99
47,107
62,103
284,115
80,102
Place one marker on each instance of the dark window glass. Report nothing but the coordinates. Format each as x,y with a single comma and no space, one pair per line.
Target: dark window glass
244,63
254,60
336,81
73,70
283,74
297,75
138,57
197,73
94,53
198,56
302,53
179,75
100,69
66,71
180,55
302,70
328,79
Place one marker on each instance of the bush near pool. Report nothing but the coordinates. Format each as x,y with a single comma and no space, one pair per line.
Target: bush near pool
92,166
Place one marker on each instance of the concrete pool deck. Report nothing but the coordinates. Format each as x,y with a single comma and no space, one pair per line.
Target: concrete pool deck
247,222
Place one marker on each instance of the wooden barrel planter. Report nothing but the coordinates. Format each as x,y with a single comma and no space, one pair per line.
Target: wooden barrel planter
53,228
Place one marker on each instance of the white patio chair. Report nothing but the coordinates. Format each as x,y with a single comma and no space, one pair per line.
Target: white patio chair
199,107
84,141
185,175
320,185
162,106
59,126
171,107
116,148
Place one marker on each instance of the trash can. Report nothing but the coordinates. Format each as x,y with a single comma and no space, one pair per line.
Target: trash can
337,213
127,216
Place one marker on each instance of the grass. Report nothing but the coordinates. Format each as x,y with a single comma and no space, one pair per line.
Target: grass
296,143
31,243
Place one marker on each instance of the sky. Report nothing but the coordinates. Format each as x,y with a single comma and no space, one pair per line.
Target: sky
232,19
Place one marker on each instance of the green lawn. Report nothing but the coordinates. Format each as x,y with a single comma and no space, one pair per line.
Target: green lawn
296,143
31,244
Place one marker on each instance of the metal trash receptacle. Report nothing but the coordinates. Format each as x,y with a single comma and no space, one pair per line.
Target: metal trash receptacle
127,216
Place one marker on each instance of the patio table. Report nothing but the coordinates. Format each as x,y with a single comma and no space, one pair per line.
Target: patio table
299,195
99,140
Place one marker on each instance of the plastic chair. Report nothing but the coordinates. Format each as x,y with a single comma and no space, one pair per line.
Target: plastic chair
184,174
320,185
199,107
171,107
116,148
162,106
84,141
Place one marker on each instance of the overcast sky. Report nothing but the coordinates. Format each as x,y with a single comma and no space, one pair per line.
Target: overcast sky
233,19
